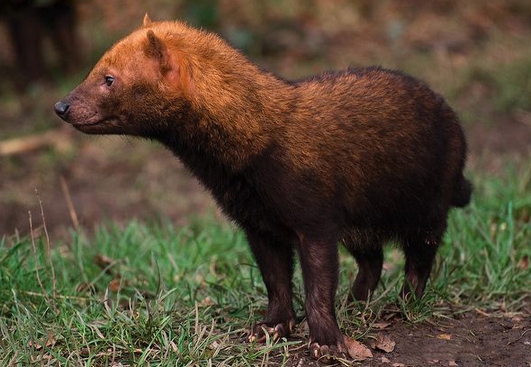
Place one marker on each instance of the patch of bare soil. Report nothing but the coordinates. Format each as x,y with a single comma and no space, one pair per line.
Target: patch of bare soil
471,341
475,339
97,181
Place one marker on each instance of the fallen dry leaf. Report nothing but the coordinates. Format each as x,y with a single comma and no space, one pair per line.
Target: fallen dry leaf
35,345
115,285
207,301
452,364
385,360
380,325
50,342
444,336
383,342
356,350
523,264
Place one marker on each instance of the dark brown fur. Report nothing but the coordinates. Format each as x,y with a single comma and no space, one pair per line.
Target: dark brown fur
361,156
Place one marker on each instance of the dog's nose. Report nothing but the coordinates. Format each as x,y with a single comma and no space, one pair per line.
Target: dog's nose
61,109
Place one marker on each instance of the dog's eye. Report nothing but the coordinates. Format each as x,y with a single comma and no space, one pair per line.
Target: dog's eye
109,79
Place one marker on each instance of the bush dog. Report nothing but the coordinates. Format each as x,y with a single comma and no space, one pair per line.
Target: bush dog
359,157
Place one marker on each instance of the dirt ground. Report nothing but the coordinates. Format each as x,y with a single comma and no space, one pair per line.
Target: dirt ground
474,339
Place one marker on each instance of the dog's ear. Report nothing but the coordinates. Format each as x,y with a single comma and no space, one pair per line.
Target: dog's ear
156,49
173,66
147,21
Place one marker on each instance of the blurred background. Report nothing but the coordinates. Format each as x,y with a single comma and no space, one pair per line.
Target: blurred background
476,53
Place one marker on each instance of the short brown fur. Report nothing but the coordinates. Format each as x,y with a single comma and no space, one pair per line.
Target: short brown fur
360,156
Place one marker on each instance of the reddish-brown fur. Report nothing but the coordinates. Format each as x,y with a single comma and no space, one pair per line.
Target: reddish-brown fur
360,156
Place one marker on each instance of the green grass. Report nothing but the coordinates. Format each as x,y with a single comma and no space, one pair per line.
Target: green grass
152,294
139,295
485,259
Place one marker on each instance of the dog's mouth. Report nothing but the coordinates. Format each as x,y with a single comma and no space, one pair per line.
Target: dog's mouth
95,126
91,122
